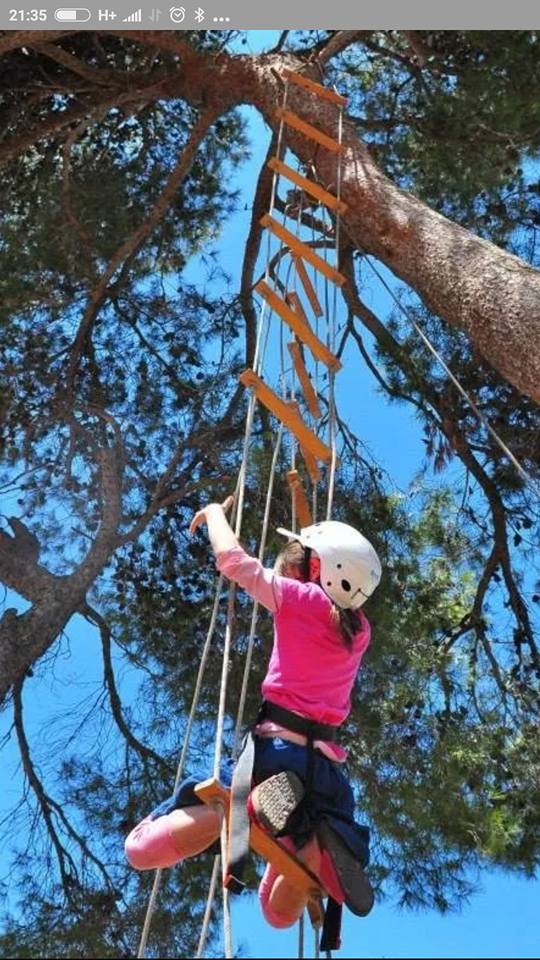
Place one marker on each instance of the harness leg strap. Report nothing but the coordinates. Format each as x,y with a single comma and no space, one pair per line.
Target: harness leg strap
239,818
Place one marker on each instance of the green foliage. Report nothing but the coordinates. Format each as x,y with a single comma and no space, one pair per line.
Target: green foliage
460,132
444,747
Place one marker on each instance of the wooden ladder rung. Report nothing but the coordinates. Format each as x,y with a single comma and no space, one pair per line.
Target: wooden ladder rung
316,88
313,133
303,250
312,466
299,326
323,196
284,862
292,298
311,397
310,461
301,505
212,791
287,415
308,286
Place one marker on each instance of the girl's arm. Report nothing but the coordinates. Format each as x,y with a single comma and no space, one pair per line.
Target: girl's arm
247,571
222,536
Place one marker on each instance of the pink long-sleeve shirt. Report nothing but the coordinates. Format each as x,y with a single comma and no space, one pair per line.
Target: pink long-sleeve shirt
311,671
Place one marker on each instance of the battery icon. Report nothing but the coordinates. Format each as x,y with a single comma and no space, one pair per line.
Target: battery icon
72,14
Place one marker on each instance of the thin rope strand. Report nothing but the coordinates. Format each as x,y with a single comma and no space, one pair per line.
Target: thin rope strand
254,617
149,913
208,909
227,926
332,426
301,937
521,470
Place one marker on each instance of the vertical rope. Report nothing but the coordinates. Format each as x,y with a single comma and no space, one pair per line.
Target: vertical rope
332,342
254,616
227,926
223,684
208,909
149,913
483,420
301,937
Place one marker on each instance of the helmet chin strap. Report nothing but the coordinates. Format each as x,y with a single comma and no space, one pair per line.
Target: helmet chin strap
305,564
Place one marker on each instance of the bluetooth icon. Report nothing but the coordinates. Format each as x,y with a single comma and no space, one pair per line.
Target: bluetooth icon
199,15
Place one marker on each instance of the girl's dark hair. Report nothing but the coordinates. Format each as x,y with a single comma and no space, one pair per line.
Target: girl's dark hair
347,622
293,555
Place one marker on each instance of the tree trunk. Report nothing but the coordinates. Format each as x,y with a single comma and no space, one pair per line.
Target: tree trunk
26,637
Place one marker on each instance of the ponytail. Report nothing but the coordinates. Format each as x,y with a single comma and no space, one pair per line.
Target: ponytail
347,622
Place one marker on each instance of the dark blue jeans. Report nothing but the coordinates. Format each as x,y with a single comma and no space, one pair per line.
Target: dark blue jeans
331,797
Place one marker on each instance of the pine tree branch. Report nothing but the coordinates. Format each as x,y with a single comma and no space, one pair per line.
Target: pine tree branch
337,43
421,50
48,806
25,637
58,121
450,427
391,391
91,614
66,864
81,231
29,38
251,252
128,250
103,77
281,42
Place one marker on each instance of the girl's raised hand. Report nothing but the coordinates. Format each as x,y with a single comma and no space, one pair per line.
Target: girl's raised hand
201,516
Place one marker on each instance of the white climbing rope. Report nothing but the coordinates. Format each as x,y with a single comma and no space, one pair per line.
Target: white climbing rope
332,425
474,407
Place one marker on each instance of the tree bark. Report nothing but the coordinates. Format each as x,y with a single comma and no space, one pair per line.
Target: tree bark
26,637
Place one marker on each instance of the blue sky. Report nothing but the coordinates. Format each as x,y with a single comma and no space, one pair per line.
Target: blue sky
502,918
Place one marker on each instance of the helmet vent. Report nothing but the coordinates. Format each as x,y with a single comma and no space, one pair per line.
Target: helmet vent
345,585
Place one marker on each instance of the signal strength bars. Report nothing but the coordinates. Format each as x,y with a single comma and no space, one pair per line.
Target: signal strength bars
134,17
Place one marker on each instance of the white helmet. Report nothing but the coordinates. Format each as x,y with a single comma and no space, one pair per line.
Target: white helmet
350,568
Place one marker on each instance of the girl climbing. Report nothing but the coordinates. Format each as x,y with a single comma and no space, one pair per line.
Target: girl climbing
301,793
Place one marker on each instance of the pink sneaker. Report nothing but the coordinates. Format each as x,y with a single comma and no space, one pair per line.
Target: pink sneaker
279,920
342,874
